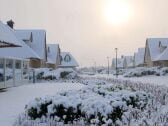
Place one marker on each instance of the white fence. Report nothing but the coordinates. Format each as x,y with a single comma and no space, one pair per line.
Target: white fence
13,72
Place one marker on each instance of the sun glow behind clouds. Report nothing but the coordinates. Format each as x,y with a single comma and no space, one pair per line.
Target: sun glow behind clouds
116,11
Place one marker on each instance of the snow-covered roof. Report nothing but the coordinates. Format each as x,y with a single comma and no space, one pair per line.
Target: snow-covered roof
120,62
52,53
19,52
139,56
163,56
38,43
67,60
7,36
23,35
153,44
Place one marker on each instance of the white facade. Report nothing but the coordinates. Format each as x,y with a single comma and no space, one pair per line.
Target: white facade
128,61
120,63
13,72
139,57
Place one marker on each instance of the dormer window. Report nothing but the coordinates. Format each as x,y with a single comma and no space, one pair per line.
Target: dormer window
31,37
161,47
160,43
67,58
28,38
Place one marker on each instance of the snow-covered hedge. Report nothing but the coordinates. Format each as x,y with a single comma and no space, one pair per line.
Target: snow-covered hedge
156,111
97,104
143,71
50,74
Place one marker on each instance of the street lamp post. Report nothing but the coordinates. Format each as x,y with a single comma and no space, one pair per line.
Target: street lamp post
116,63
108,65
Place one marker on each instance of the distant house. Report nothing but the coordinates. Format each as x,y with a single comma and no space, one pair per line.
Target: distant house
68,61
7,37
120,63
156,52
53,55
36,40
128,62
139,57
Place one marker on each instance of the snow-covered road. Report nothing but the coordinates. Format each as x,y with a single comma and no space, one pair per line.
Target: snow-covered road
13,100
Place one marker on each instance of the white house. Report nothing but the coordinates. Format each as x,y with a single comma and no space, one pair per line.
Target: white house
156,52
7,37
120,63
36,40
68,61
128,61
139,57
53,55
23,52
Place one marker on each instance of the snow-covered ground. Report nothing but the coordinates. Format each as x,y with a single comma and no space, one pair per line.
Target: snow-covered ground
13,100
157,80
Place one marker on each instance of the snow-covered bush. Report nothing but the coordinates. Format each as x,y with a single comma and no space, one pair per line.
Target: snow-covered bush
155,112
95,104
53,74
143,71
164,71
60,73
39,72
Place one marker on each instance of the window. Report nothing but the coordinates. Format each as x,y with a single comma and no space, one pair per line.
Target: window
67,58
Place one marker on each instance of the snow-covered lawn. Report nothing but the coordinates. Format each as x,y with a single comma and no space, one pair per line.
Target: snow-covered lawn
13,100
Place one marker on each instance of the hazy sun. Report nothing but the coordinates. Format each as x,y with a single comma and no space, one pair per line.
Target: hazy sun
116,11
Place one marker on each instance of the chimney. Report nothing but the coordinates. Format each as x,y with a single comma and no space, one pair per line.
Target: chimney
10,23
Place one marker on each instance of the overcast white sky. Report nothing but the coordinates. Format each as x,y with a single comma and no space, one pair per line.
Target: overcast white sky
79,25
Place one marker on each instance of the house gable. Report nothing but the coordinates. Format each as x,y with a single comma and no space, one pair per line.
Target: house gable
66,62
37,40
53,54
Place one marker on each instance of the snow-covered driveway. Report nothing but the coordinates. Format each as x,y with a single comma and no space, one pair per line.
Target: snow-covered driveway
13,100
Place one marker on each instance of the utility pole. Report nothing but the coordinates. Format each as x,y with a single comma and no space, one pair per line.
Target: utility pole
108,65
116,63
